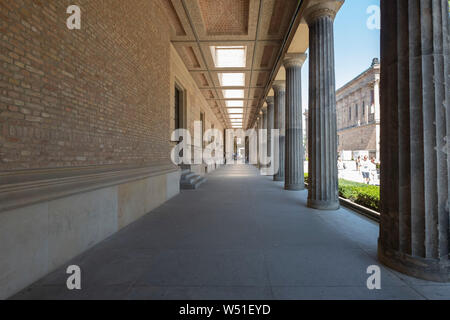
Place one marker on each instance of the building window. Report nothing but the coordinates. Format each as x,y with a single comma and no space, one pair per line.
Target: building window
356,111
350,113
364,108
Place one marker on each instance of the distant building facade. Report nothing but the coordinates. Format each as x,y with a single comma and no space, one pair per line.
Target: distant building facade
358,114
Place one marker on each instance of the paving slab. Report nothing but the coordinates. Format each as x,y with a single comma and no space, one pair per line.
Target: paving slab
239,236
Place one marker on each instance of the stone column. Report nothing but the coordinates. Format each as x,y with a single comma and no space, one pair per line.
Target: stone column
376,91
279,88
415,127
294,175
322,127
257,141
260,127
264,117
264,142
270,124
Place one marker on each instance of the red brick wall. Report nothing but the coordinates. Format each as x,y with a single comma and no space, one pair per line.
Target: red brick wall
95,96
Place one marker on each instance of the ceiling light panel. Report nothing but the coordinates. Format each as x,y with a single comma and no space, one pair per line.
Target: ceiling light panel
235,110
232,79
235,103
229,56
233,94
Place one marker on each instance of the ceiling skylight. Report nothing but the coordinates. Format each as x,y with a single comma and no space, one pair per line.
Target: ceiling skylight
229,56
235,103
235,116
235,110
233,94
232,79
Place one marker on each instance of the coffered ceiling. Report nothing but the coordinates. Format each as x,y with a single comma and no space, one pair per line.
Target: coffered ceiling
230,45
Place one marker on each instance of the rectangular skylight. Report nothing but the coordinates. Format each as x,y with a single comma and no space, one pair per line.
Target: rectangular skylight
232,79
229,56
235,116
233,94
235,103
235,110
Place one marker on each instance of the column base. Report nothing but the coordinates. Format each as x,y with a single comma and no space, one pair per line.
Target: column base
278,178
294,187
427,269
323,204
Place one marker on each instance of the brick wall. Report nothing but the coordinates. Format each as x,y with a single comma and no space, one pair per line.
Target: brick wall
196,102
358,138
93,96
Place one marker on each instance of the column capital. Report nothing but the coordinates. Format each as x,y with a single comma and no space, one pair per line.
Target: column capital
270,100
264,109
294,60
321,8
279,86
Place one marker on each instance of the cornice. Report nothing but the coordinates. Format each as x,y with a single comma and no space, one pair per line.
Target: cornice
28,187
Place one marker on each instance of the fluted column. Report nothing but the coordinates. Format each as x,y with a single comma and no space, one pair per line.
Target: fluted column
260,145
279,89
294,176
264,142
270,124
415,127
322,130
264,117
257,141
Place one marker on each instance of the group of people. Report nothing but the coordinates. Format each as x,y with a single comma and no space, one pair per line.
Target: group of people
366,167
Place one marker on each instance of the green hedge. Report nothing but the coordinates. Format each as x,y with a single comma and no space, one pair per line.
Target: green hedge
365,195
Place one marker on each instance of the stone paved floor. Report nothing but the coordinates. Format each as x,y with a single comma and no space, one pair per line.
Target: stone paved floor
240,236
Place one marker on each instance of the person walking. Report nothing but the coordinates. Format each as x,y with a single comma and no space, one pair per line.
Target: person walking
365,169
358,163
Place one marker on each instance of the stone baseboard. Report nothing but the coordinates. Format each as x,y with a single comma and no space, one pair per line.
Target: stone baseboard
53,220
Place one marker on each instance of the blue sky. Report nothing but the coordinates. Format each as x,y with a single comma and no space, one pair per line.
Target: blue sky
355,44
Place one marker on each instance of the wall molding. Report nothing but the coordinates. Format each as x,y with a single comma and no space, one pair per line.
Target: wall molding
20,188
